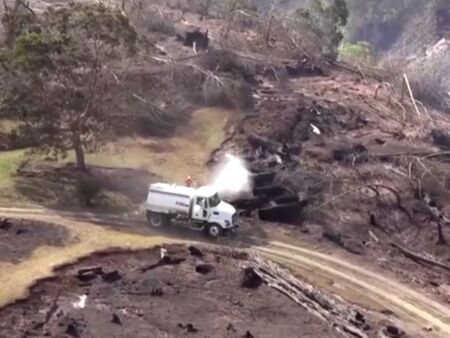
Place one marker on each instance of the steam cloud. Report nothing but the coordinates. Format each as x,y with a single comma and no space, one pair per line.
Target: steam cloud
232,177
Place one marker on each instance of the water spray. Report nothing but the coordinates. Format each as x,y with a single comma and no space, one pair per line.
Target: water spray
232,177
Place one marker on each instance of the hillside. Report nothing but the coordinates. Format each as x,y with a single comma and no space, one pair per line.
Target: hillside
348,165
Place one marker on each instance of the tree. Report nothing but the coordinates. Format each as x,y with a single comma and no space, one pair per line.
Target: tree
327,19
58,74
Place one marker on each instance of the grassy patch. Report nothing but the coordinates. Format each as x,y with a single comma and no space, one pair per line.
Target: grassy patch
168,158
7,126
172,158
360,52
9,163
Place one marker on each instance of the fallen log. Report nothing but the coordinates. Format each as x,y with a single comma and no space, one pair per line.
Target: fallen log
417,257
250,203
166,260
286,199
97,270
271,191
263,179
345,318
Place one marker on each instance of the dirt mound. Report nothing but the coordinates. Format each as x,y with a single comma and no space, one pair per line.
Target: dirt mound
141,294
19,238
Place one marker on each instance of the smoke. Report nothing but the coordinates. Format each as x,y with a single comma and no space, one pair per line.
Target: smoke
231,177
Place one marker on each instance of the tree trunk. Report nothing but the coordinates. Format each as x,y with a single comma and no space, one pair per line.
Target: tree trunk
79,152
441,238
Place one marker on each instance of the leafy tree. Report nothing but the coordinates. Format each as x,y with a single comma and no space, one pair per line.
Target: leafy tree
57,74
327,19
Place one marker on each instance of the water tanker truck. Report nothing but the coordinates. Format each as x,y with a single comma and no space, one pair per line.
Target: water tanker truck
200,208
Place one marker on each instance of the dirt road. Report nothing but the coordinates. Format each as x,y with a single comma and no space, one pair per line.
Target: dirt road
353,283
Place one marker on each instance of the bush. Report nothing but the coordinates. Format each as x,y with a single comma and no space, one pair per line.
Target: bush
148,20
359,52
227,92
88,188
326,20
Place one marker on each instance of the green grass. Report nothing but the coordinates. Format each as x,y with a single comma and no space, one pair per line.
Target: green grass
184,153
359,52
9,164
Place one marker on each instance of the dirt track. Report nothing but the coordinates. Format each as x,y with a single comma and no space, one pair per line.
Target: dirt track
342,278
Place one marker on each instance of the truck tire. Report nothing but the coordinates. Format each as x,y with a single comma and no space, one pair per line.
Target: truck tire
156,220
214,230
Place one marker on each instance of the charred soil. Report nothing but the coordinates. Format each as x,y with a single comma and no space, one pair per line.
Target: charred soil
192,292
19,238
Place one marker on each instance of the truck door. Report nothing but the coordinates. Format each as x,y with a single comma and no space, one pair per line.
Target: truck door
201,209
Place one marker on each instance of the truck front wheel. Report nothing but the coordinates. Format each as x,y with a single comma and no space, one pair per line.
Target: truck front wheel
156,220
214,230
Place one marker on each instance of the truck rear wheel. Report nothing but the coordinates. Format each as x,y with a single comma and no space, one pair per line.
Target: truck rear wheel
214,230
156,220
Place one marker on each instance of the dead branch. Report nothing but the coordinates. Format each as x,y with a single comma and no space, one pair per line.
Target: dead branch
157,115
408,86
397,197
417,257
375,238
342,316
438,154
53,307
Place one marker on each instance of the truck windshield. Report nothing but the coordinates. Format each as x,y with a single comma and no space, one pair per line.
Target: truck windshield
214,201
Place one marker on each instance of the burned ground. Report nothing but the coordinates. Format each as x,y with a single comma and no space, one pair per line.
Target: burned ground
191,292
19,238
356,165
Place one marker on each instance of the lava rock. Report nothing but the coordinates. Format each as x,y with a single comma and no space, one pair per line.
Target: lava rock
21,231
393,331
230,328
190,328
72,330
248,334
195,252
157,292
5,224
111,277
115,319
250,279
204,269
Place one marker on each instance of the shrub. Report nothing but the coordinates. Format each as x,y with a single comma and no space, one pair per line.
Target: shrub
430,82
326,20
359,52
